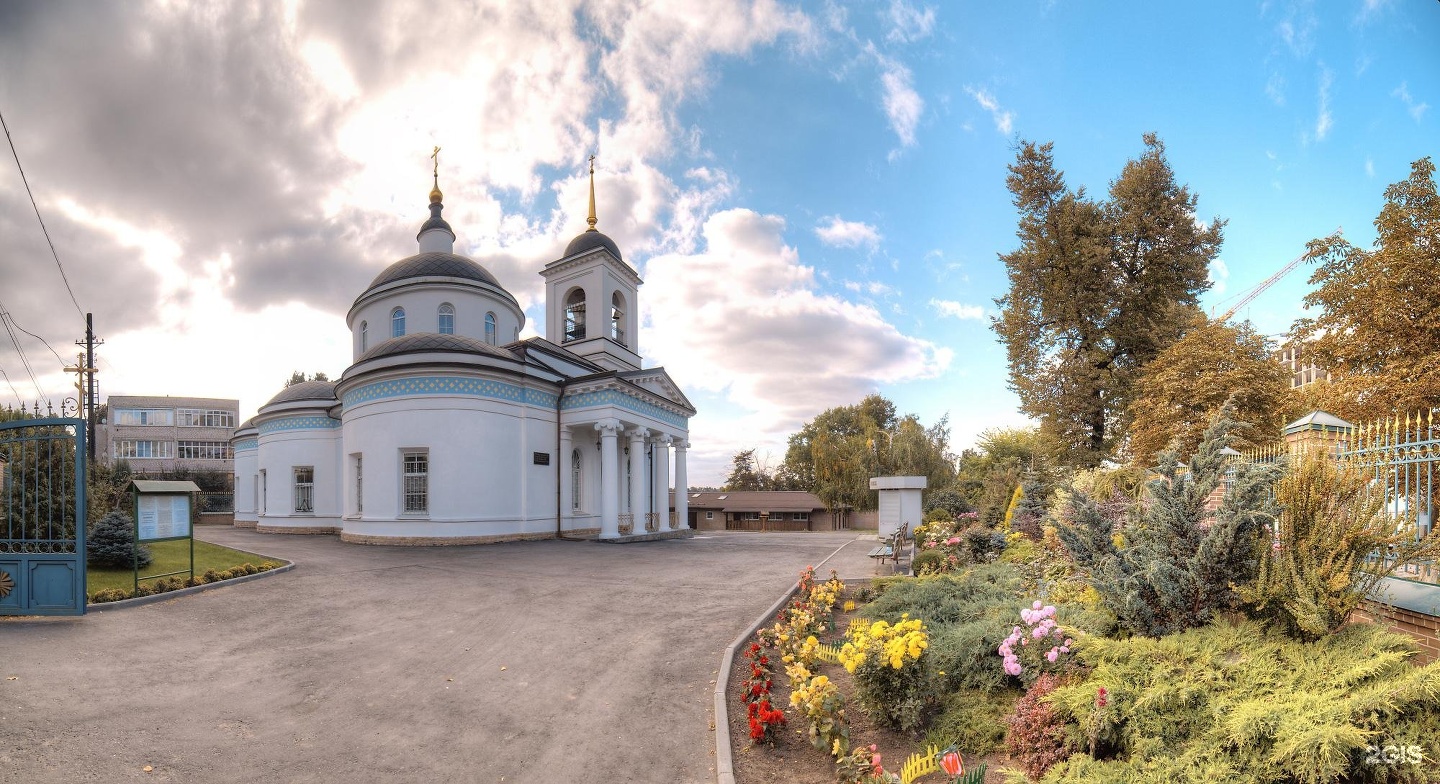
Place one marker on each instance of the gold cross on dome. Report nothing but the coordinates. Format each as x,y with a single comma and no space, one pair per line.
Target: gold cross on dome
435,156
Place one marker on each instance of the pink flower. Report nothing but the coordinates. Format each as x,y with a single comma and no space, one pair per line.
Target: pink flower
1101,697
1036,605
1069,642
1012,667
1052,655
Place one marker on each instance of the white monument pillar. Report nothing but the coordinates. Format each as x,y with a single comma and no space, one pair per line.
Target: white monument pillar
682,491
899,502
609,479
638,505
662,483
567,470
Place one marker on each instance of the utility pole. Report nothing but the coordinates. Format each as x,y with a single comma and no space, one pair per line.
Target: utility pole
85,381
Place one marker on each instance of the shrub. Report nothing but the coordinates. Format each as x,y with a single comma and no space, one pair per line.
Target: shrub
110,544
928,561
108,595
1242,704
1035,732
889,673
1027,642
972,720
1317,569
1180,567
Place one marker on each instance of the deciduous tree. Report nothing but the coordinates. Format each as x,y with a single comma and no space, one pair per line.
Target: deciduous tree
1378,330
1097,289
1181,390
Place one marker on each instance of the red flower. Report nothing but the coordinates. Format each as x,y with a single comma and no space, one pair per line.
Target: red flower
1101,697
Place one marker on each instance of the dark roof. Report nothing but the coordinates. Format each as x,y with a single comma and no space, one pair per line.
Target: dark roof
305,390
589,240
435,221
426,342
757,501
433,264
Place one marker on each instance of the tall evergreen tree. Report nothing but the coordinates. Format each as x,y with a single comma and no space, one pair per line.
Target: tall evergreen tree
1097,289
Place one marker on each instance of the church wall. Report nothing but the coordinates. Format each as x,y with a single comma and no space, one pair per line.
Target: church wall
279,454
422,314
481,477
247,471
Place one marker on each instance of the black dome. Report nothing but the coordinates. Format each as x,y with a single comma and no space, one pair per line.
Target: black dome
589,240
426,342
306,390
430,265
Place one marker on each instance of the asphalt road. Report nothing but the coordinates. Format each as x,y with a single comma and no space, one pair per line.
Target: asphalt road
540,662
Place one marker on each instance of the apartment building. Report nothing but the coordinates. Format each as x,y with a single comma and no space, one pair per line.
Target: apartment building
156,434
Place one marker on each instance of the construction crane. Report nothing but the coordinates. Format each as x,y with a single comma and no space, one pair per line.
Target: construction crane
1250,295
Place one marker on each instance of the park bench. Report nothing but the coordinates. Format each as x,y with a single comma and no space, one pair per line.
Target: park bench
893,546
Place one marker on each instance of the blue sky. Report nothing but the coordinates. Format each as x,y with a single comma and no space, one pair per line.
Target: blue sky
814,193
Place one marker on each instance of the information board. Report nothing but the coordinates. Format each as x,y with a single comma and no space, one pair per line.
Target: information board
163,516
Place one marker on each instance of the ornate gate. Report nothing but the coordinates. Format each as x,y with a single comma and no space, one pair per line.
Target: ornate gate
42,517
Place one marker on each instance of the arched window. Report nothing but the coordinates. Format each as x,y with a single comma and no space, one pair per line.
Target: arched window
397,322
364,336
447,319
617,318
575,316
490,328
575,481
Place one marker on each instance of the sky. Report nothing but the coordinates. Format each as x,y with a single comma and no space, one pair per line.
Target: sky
814,193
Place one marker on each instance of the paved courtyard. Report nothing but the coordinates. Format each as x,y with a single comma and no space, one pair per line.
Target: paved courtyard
551,661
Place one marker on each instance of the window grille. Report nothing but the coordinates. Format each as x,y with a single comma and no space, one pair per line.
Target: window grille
416,478
305,489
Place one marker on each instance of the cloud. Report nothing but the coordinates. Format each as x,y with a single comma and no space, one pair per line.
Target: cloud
744,318
872,287
841,233
1369,166
959,310
276,153
1415,108
908,23
1219,274
903,105
1323,121
1275,89
1004,120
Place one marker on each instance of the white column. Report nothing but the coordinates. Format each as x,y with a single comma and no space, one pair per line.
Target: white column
662,482
682,491
609,480
567,470
637,478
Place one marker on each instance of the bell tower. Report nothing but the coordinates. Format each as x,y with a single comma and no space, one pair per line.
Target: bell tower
592,298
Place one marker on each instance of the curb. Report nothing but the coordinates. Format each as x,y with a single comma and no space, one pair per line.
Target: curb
724,762
192,590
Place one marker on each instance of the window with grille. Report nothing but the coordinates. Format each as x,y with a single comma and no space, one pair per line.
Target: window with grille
490,336
416,482
305,489
447,319
397,323
359,484
575,481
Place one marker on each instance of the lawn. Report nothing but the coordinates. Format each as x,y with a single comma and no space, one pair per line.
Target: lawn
172,557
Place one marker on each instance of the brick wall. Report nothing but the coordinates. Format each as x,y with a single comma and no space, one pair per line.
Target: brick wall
1424,628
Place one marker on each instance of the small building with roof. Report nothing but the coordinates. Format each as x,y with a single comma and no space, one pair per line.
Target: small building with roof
447,428
760,510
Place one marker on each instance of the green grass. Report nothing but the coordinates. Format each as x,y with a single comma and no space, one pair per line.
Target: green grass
171,557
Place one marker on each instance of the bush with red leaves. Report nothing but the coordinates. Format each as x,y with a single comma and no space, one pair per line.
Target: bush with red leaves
1035,734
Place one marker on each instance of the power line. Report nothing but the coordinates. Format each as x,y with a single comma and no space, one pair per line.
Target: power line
37,337
5,319
36,207
12,386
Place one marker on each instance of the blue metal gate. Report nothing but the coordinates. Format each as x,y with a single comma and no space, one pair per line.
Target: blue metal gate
42,517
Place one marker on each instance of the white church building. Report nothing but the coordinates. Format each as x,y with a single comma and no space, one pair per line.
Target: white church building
449,429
